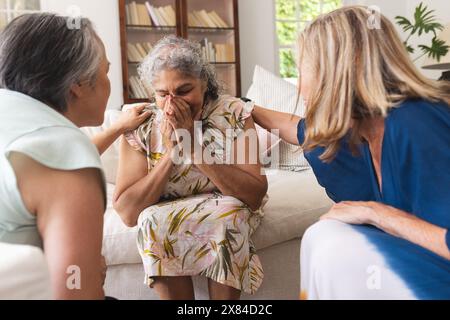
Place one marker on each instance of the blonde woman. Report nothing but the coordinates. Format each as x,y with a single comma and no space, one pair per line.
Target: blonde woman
377,134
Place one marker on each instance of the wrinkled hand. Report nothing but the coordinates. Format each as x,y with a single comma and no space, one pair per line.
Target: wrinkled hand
167,132
132,118
178,114
354,212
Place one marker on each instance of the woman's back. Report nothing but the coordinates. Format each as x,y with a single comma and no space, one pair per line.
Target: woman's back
33,129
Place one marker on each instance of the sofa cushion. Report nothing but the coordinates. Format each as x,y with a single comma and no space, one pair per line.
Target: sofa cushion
295,202
110,157
274,93
24,273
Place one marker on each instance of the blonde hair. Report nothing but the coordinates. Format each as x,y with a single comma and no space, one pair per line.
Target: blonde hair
360,73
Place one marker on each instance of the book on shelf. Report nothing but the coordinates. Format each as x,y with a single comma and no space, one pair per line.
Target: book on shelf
152,13
165,21
136,14
219,20
204,19
138,51
220,52
137,88
224,52
144,17
208,50
163,16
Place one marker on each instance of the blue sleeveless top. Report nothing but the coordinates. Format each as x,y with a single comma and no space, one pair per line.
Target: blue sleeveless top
415,178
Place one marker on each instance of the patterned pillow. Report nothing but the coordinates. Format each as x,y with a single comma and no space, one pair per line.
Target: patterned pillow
272,92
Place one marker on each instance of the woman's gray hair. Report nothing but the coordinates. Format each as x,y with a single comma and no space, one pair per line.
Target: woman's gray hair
185,56
42,57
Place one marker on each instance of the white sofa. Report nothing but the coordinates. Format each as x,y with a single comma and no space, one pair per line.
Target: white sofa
295,202
24,273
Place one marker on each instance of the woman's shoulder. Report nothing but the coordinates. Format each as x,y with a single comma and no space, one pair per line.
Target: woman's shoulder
147,136
419,111
57,147
419,128
228,112
419,117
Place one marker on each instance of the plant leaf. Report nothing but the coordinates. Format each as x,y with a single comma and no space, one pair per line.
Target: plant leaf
404,23
437,50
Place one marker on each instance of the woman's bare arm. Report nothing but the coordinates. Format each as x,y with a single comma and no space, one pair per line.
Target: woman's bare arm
285,122
128,121
409,227
244,181
393,221
136,188
106,138
69,206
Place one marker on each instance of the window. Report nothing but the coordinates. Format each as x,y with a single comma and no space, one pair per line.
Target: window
291,17
10,9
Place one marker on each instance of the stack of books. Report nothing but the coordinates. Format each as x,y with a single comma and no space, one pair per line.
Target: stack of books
138,51
147,15
137,14
220,52
137,88
203,19
225,52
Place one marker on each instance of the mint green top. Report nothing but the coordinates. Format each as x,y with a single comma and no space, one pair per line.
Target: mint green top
34,129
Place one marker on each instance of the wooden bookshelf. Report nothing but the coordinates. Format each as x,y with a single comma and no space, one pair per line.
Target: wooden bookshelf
219,31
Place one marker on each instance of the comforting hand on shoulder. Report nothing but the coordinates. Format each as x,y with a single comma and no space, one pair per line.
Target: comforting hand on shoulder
132,118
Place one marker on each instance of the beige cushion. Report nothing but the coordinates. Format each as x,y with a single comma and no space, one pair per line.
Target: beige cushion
274,93
24,273
110,157
295,202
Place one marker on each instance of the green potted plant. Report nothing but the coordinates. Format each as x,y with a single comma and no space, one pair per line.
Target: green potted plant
424,22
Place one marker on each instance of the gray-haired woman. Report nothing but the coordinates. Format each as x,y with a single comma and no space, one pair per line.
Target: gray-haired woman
194,218
53,80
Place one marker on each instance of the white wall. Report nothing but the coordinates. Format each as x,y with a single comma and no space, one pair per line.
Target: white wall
257,32
105,16
393,8
257,38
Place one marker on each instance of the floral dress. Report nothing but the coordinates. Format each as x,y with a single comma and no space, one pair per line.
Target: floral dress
195,230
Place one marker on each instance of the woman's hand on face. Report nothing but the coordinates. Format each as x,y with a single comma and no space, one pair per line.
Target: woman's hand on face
132,118
167,132
354,212
180,116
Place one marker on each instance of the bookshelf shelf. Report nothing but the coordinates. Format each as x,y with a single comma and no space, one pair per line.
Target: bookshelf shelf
144,22
150,28
208,29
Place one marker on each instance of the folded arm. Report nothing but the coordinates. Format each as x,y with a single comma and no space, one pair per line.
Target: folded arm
136,188
243,181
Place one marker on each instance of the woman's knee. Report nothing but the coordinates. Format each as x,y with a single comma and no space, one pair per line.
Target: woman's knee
326,243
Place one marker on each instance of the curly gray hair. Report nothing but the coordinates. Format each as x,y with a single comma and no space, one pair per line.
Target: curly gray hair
174,53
